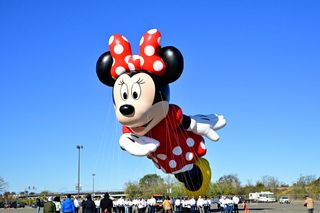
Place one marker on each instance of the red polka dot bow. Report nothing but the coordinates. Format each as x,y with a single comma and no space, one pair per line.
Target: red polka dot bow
148,60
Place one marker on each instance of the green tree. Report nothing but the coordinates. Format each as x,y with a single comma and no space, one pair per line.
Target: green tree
227,184
152,183
215,189
178,189
133,190
248,188
314,187
150,180
259,187
43,194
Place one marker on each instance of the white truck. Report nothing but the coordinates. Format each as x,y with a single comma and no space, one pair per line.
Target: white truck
262,197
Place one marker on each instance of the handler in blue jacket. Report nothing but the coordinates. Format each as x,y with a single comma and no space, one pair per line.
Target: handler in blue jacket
68,205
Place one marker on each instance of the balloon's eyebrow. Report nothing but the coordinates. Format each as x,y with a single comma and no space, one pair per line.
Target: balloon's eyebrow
140,81
121,82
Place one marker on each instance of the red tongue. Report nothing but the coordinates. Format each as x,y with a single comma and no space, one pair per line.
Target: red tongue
137,129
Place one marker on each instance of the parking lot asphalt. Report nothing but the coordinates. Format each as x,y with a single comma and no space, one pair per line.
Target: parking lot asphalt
294,207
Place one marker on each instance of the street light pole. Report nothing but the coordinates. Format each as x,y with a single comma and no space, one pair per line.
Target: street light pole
79,147
93,183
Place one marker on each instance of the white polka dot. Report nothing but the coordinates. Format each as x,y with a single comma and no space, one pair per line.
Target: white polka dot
190,142
149,50
157,65
187,167
141,40
189,156
177,150
135,57
131,66
159,41
172,164
126,59
113,61
202,145
120,70
141,61
152,31
161,156
111,40
124,38
118,49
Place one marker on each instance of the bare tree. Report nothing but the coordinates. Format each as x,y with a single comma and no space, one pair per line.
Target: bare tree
270,182
305,180
3,184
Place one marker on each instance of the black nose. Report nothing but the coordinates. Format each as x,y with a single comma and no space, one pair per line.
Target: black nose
126,109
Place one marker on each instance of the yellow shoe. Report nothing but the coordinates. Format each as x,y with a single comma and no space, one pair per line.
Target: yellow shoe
204,167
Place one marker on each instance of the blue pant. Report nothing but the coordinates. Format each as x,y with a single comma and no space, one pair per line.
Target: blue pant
152,209
228,209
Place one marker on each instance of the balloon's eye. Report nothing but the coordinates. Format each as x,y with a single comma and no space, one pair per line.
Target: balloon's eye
124,92
136,90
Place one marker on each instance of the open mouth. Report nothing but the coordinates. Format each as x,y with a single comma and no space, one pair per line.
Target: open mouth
140,128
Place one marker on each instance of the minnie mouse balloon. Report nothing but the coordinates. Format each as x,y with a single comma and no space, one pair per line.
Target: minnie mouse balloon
153,127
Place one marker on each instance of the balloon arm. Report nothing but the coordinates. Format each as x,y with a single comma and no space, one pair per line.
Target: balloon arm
206,125
138,145
185,124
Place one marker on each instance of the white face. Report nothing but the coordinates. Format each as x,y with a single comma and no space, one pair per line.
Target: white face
137,93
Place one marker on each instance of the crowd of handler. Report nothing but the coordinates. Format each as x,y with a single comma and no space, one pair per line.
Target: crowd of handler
225,204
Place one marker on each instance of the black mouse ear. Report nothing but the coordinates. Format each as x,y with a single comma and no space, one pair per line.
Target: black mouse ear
173,59
103,68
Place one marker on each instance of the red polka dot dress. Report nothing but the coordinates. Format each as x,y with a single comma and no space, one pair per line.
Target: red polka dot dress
179,148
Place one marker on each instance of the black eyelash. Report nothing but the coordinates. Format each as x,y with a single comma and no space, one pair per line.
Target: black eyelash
140,81
121,82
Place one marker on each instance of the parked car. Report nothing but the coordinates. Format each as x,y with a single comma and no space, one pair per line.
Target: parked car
159,201
7,205
21,205
17,204
34,205
284,199
215,200
13,204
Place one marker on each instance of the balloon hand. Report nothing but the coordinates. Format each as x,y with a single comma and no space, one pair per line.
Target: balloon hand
206,125
138,145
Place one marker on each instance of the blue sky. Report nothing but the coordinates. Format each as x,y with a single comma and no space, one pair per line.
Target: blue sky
255,62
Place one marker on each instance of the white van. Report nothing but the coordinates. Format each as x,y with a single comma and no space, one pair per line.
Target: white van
263,197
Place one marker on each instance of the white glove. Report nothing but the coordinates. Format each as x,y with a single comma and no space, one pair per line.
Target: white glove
138,145
206,125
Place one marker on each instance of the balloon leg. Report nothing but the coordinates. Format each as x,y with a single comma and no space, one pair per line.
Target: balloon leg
197,180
